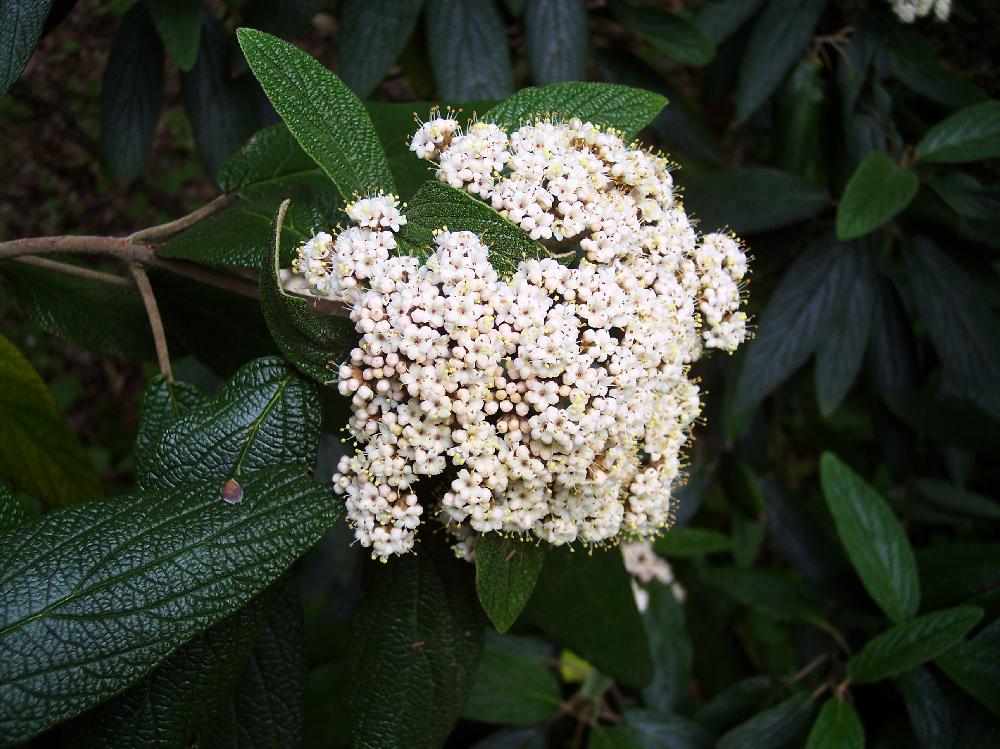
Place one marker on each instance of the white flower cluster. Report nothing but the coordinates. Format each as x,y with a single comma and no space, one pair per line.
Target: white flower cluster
909,11
645,567
557,402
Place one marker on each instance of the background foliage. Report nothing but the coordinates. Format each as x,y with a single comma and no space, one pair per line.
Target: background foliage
837,534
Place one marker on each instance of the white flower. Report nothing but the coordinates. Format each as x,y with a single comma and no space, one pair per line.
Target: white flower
909,11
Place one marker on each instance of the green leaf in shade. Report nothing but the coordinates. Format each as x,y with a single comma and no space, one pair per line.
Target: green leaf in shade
178,23
284,19
163,403
737,703
224,110
416,638
913,61
878,190
966,195
691,542
975,666
720,19
949,497
930,715
107,319
38,454
326,119
747,536
652,729
512,686
313,342
800,119
948,420
837,727
910,644
556,36
95,598
468,48
131,94
971,134
670,647
527,737
371,37
772,728
780,36
960,322
21,26
506,570
873,539
437,205
621,107
12,512
671,34
842,350
952,573
752,199
584,602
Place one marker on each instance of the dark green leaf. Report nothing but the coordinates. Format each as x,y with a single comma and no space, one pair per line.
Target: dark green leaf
530,737
975,666
873,539
773,727
842,351
950,497
779,38
878,191
954,572
99,593
416,638
38,454
12,512
131,94
651,729
21,25
671,34
747,536
929,713
837,727
313,342
106,319
907,645
951,421
801,121
752,199
283,19
671,649
971,134
621,107
583,600
891,354
437,205
179,25
372,35
913,60
506,571
691,542
511,687
556,36
768,591
737,703
163,403
468,49
326,119
720,19
965,195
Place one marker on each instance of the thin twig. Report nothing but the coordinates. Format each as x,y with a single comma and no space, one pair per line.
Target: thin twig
155,323
236,284
177,225
84,244
75,270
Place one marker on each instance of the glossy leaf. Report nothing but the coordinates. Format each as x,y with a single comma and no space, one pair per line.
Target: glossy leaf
773,727
954,499
873,539
416,638
877,192
273,164
372,35
837,727
971,134
930,715
651,729
178,23
38,453
737,703
326,119
556,36
21,26
975,666
671,34
621,107
131,94
511,687
584,602
163,403
468,48
12,512
506,571
691,542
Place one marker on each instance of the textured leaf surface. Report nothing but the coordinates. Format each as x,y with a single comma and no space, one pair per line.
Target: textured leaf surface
128,580
437,205
326,119
691,542
910,644
773,727
416,638
611,105
37,452
178,23
752,199
506,571
668,33
930,715
670,647
468,48
12,513
584,602
970,134
873,539
556,36
372,35
650,729
975,666
837,727
877,191
512,686
21,25
163,403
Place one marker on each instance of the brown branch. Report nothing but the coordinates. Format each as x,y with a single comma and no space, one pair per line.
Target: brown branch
74,270
88,245
155,323
236,284
173,227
